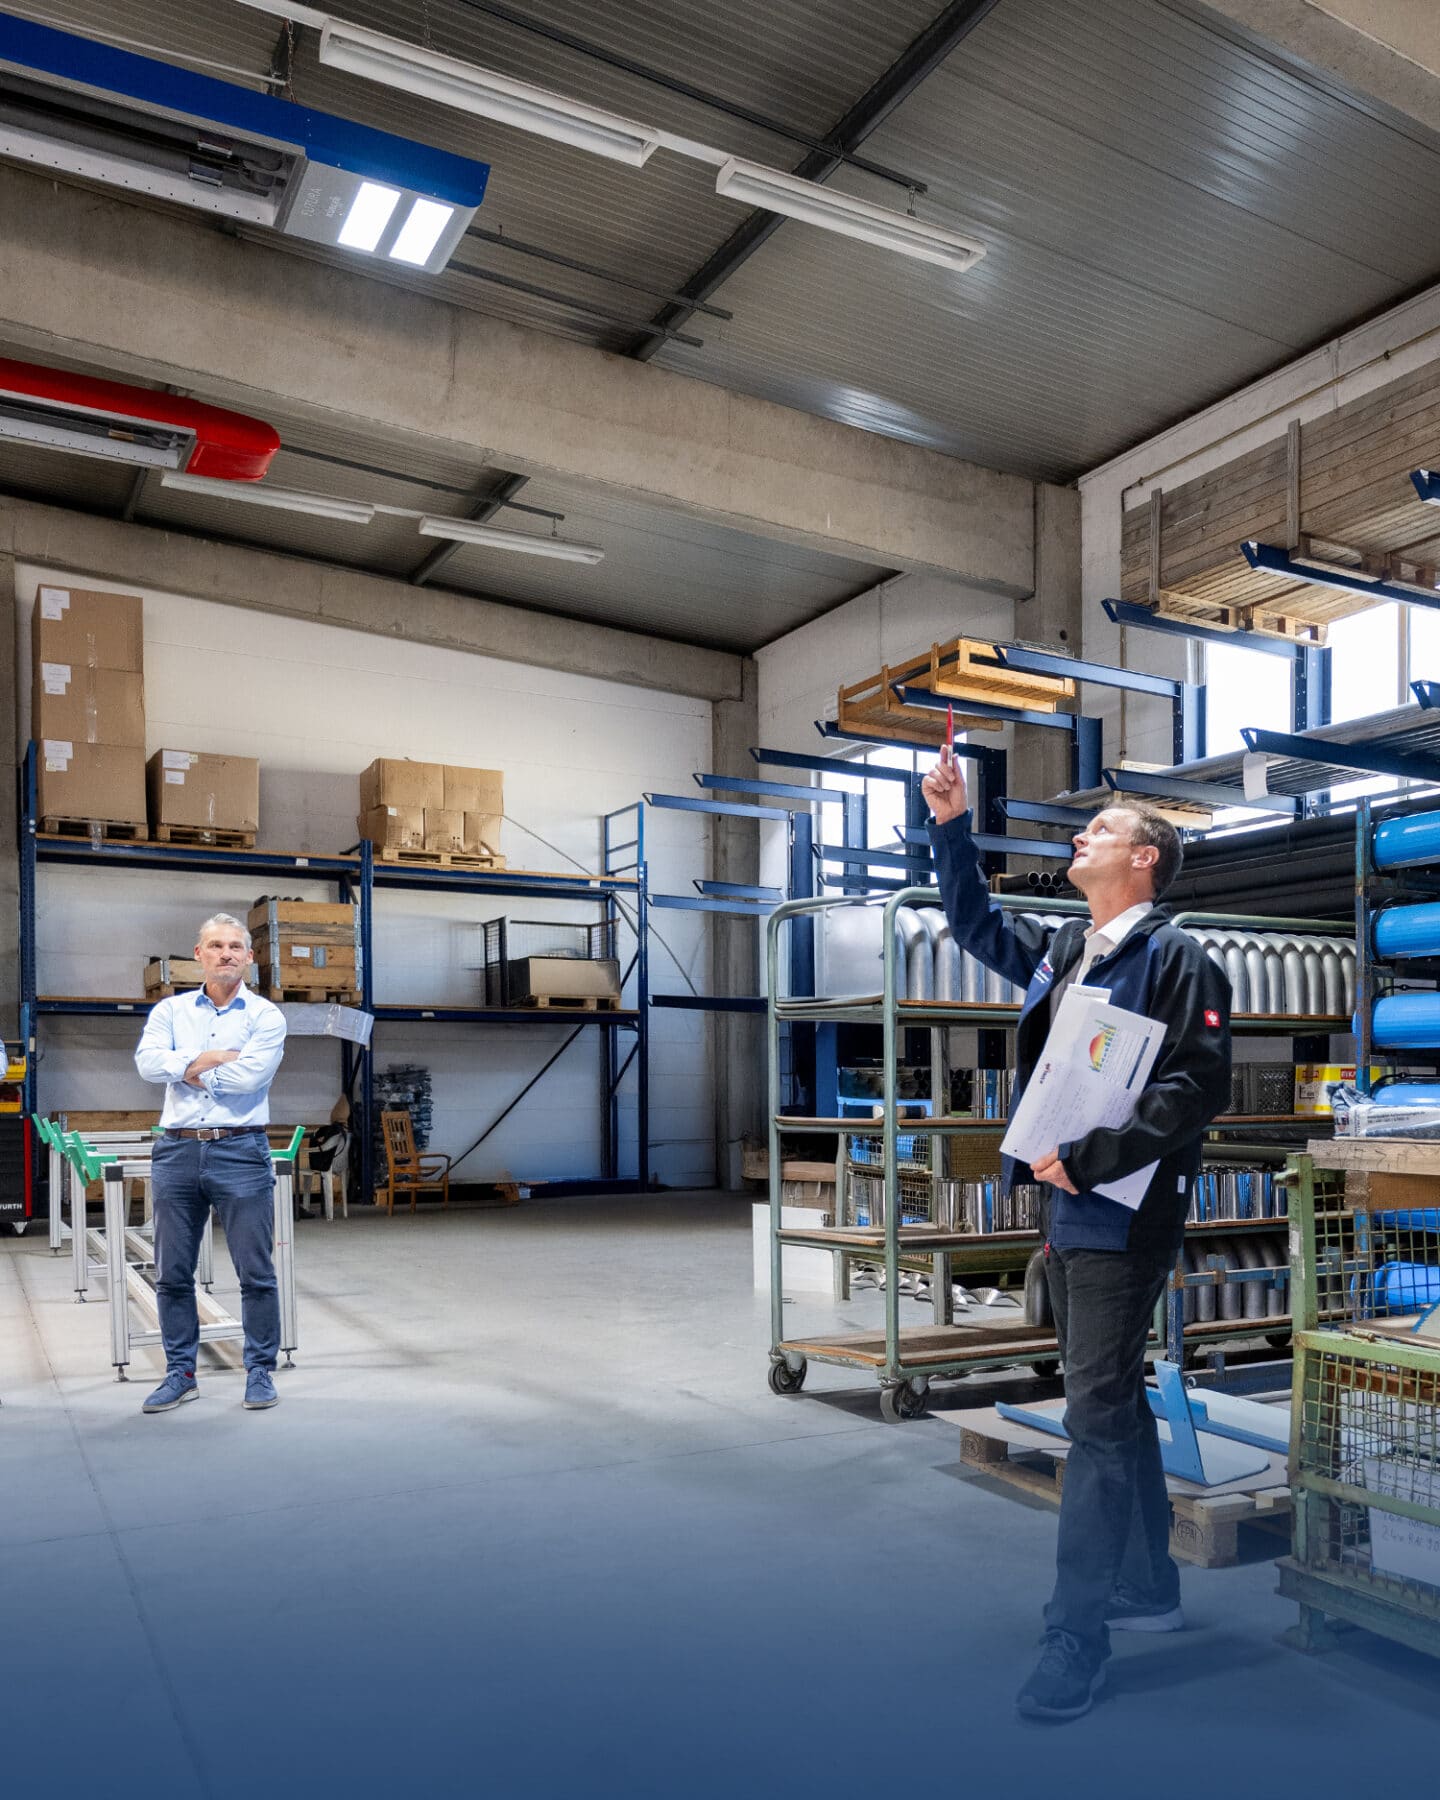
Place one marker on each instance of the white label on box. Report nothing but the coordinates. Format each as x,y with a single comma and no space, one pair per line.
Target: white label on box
54,602
176,759
392,812
57,753
299,949
1409,1548
54,677
176,777
302,862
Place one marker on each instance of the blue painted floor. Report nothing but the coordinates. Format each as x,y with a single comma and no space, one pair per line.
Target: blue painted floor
528,1522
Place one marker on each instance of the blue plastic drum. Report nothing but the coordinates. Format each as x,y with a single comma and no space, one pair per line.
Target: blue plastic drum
1407,1022
1403,842
1408,931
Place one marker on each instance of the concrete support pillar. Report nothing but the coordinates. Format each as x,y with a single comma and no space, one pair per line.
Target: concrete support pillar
737,1038
1040,762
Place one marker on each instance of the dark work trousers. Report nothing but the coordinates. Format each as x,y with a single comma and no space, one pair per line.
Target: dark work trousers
236,1177
1114,1513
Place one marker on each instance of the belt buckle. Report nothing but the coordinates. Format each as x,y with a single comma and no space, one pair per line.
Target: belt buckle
207,1134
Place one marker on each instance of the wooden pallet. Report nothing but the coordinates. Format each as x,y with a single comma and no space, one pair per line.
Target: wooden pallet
205,835
51,826
1206,1524
311,996
571,1003
481,861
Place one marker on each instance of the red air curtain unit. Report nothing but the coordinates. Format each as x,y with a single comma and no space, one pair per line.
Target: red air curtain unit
118,423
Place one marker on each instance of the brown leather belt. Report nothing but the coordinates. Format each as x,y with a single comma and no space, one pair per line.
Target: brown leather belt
208,1133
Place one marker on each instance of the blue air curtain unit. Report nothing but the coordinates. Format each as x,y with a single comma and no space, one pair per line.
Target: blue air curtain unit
69,104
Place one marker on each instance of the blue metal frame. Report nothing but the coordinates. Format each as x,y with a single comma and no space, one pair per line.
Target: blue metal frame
1371,758
1427,485
827,765
1426,692
1045,662
1272,560
730,809
1040,812
778,790
1127,612
736,890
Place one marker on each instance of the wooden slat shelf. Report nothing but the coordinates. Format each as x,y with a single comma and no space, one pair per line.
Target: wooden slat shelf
927,1238
930,1346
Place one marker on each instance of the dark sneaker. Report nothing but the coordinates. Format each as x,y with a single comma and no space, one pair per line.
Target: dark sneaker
1127,1614
260,1391
173,1391
1065,1683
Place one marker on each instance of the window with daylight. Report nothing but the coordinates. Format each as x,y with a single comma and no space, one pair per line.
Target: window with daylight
1243,687
1365,663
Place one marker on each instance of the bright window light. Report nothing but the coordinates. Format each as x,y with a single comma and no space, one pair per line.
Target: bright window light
421,232
1243,687
368,216
1365,663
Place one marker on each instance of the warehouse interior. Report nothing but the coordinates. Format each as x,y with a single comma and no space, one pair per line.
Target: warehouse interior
532,622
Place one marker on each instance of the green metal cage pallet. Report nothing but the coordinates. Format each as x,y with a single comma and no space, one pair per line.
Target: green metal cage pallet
1365,1420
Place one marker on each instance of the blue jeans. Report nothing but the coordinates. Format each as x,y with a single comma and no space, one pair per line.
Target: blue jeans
236,1177
1114,1510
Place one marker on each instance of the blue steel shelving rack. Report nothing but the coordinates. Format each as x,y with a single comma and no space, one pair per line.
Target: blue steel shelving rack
356,876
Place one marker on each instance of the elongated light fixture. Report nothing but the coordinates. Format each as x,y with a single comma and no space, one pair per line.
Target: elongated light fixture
463,85
754,185
461,531
319,506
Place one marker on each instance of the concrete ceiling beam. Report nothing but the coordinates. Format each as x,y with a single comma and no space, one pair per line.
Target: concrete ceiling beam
158,295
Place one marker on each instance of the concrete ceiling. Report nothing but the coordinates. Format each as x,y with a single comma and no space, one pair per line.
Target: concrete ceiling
1169,209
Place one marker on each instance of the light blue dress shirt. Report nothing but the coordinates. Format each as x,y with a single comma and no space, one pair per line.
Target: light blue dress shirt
232,1094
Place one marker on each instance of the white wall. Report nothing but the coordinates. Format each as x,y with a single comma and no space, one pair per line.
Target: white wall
1383,350
315,705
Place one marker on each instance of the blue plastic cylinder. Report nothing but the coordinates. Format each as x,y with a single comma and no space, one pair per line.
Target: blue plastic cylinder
1407,1022
1407,1093
1401,842
1408,930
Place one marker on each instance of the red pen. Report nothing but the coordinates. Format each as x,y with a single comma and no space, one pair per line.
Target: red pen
950,729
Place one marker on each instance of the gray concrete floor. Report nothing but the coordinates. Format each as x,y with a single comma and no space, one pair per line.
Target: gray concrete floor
528,1522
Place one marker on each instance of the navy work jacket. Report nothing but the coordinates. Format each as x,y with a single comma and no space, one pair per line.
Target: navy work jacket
1155,970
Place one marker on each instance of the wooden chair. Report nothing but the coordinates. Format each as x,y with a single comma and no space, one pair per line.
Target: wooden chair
409,1172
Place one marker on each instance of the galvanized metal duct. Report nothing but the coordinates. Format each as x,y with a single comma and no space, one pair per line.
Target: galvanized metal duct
1332,980
947,960
1252,1293
1294,976
972,978
912,956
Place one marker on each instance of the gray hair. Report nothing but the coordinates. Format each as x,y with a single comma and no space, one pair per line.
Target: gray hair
223,919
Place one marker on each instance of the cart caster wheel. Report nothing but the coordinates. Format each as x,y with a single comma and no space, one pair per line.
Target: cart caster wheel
1046,1370
900,1404
785,1380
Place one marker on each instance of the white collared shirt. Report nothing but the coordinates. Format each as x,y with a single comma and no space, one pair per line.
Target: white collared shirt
236,1093
1100,941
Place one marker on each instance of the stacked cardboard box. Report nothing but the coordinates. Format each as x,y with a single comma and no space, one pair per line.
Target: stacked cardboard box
306,947
432,806
88,711
202,797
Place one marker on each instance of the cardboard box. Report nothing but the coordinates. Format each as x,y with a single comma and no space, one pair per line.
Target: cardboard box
1315,1083
104,782
560,978
444,829
473,790
88,630
391,782
393,827
481,834
90,706
215,793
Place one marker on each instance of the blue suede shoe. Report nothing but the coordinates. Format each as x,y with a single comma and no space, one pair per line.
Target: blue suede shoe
173,1391
260,1391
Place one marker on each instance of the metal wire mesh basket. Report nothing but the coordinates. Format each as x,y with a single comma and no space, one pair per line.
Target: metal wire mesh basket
1376,1263
910,1147
865,1197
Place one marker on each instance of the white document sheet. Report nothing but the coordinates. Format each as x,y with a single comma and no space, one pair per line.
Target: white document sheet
1092,1072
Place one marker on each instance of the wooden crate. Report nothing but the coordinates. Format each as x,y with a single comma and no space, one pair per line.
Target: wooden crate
1336,488
1206,1525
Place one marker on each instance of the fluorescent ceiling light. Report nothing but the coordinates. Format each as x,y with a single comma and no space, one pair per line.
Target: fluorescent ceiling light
368,216
451,82
320,506
421,232
461,531
754,185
